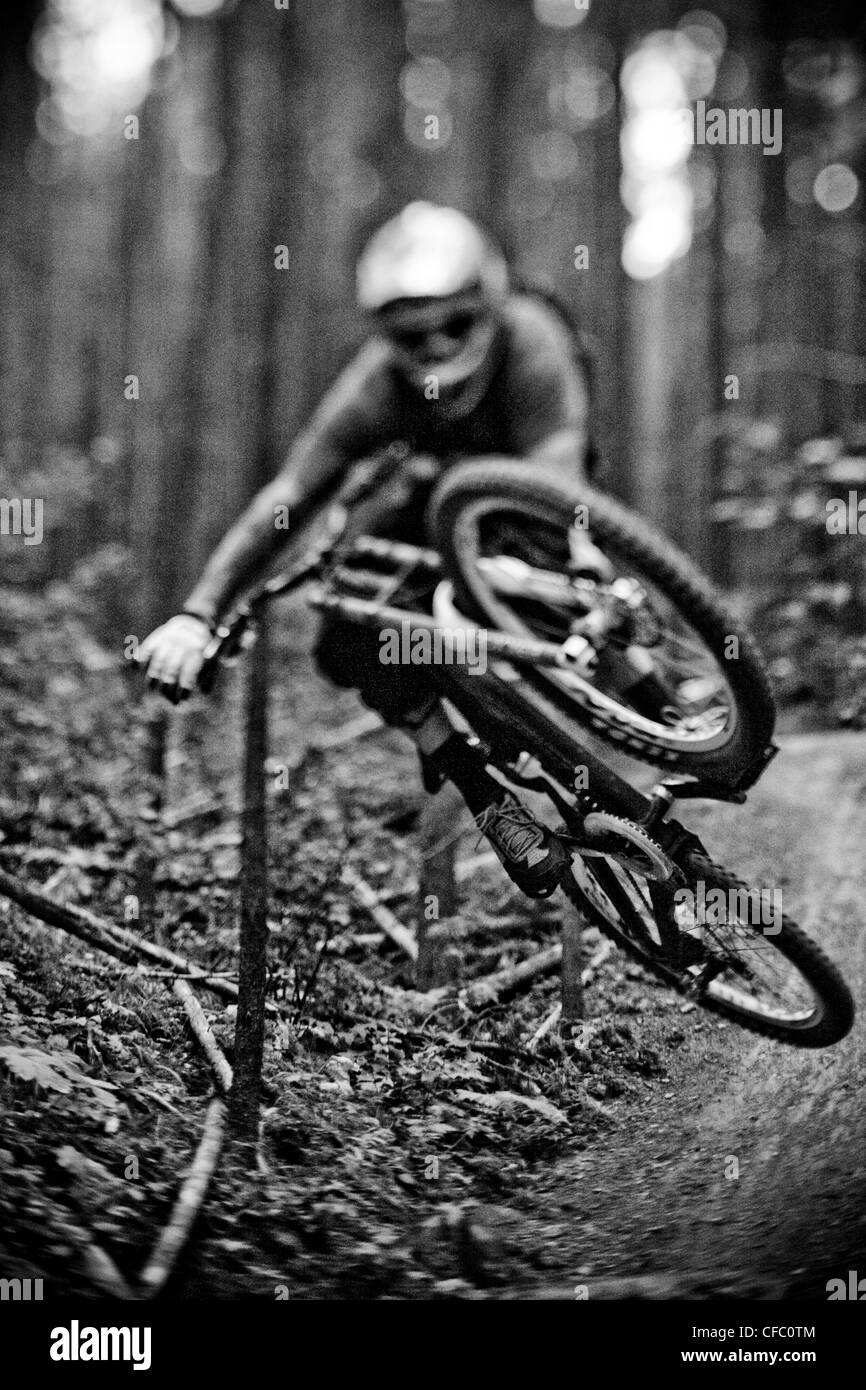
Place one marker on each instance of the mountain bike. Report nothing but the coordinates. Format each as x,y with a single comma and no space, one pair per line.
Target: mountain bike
565,650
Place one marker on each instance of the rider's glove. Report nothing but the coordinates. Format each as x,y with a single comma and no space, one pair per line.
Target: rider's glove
173,655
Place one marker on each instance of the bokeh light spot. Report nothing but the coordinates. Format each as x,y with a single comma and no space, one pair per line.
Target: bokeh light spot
426,83
656,139
704,30
836,188
202,151
651,76
589,94
653,240
97,57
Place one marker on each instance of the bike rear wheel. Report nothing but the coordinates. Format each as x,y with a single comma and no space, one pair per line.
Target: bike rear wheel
697,931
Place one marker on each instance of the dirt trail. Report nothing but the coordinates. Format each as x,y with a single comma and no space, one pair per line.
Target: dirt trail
658,1199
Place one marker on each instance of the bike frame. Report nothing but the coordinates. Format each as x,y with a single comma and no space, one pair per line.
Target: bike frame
502,714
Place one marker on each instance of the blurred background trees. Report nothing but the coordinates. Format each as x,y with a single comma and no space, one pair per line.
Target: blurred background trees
187,185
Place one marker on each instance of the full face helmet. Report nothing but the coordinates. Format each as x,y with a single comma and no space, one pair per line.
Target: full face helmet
435,286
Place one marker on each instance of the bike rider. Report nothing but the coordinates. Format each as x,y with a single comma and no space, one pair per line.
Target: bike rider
458,364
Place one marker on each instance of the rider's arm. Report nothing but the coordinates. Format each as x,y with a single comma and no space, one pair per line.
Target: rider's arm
350,421
548,388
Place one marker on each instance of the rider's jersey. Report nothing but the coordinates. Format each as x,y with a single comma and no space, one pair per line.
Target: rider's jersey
538,390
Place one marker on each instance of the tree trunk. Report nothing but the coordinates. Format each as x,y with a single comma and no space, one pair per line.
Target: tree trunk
252,965
271,39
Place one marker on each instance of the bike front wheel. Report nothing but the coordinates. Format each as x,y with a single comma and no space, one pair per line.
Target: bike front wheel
503,529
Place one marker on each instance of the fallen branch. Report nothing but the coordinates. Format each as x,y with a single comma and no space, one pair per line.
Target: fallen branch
487,988
467,868
66,858
165,1254
174,975
385,920
544,1028
360,727
481,991
103,1272
196,808
115,941
202,1030
598,959
514,977
555,1014
194,1190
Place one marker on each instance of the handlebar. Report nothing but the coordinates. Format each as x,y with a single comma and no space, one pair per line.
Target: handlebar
235,632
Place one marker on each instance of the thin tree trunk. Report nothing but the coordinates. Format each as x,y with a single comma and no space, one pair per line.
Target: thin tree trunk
252,968
269,37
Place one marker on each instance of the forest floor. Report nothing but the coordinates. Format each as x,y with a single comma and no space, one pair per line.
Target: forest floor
663,1154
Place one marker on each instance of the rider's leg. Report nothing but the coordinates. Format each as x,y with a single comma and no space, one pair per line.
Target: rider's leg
405,696
531,854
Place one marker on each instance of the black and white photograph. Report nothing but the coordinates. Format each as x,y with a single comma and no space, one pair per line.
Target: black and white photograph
432,670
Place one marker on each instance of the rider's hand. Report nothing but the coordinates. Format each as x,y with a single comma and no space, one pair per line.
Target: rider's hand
173,656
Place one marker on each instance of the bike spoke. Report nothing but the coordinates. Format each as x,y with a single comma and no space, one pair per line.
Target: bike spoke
677,653
629,901
754,976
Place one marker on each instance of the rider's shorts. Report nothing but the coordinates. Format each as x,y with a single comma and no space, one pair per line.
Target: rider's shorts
349,655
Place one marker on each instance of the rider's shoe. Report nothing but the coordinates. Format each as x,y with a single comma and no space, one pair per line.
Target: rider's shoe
533,856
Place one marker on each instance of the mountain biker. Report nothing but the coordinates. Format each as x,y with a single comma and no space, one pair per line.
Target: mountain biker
457,364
